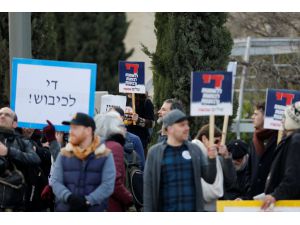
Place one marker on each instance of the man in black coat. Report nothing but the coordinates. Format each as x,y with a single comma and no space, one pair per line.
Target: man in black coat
260,155
284,180
14,151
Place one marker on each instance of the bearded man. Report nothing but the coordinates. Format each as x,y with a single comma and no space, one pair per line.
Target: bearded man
84,172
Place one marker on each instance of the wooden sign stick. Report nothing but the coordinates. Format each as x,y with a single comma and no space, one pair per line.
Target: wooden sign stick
224,131
211,129
133,105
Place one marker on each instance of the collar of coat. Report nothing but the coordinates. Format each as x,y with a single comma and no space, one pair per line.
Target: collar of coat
100,151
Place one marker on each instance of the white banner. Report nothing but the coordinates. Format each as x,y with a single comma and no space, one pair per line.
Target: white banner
51,90
98,96
108,101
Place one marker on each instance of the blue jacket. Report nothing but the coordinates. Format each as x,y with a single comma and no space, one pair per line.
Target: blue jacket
137,146
93,177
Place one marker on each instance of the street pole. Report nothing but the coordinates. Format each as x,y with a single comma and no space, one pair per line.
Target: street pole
241,96
19,24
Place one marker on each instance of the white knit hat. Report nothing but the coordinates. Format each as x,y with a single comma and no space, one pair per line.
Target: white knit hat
292,116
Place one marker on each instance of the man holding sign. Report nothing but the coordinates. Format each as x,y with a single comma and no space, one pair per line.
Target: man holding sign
139,113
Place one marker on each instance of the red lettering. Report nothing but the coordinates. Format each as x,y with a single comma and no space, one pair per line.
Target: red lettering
132,65
218,78
288,96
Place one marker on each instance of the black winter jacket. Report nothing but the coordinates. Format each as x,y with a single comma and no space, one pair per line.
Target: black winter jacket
284,180
259,167
20,151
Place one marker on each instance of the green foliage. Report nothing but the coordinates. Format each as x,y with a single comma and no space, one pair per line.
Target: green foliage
187,42
4,60
95,38
77,37
43,36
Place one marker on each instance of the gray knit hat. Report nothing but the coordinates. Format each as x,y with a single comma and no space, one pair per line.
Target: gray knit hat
292,117
174,116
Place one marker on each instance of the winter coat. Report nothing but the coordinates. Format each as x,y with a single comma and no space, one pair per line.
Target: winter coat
121,198
258,168
202,167
137,146
284,180
21,154
93,177
239,189
225,179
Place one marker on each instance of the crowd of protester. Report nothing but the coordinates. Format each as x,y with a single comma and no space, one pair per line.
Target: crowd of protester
103,163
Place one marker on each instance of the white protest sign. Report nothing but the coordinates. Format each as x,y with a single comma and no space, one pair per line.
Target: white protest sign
276,102
211,93
51,90
108,101
98,96
232,67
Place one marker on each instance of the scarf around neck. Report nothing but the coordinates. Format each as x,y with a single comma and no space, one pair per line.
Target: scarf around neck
259,137
84,153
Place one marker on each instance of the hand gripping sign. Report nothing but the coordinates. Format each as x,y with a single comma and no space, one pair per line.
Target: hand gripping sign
276,102
132,77
211,93
51,90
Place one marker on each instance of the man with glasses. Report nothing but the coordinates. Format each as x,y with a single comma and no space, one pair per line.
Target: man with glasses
14,152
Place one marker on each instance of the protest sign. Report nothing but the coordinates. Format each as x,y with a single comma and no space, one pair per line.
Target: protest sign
132,77
254,206
51,90
211,93
276,102
232,67
108,101
98,97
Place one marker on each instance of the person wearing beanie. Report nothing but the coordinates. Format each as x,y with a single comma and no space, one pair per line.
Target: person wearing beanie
173,170
261,153
240,154
283,182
